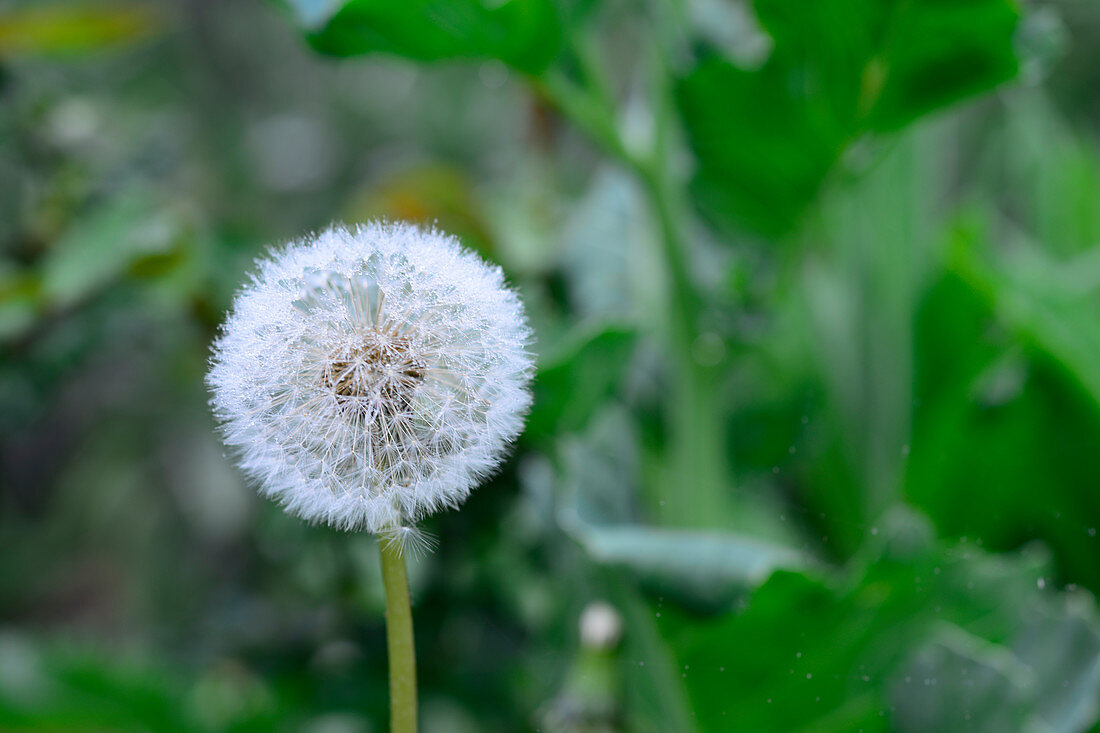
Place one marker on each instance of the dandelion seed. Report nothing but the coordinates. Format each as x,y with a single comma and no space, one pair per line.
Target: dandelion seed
410,541
372,376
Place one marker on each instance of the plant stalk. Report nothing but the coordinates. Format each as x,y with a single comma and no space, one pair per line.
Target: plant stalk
399,638
697,433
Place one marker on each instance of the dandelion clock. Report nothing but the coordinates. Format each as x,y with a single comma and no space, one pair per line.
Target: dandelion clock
368,378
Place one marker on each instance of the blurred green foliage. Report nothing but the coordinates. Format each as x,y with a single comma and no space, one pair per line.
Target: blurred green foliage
816,289
766,138
525,34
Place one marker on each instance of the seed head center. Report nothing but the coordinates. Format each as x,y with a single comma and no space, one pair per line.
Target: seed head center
381,369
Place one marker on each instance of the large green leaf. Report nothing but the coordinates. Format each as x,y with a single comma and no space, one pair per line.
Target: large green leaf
766,138
525,34
1008,401
811,655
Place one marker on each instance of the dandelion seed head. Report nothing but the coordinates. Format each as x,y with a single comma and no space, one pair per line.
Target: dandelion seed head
371,376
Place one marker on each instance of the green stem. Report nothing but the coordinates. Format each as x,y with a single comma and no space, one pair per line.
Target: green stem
697,432
399,639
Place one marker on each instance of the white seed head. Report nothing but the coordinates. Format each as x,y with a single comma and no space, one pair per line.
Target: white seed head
370,377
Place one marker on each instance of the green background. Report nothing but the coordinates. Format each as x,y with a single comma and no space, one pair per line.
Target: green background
816,292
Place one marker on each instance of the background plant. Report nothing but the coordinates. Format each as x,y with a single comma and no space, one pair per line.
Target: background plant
815,294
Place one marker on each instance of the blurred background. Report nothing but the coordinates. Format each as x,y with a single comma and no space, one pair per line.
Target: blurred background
816,290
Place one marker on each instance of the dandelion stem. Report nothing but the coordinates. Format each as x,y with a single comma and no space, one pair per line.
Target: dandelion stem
399,639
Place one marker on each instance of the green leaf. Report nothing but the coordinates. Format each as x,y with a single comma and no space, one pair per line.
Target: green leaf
131,235
697,563
937,52
1050,306
1045,678
765,139
656,699
808,655
1008,412
704,568
98,248
525,34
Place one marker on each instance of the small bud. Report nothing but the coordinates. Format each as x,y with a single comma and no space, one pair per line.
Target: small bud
601,626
